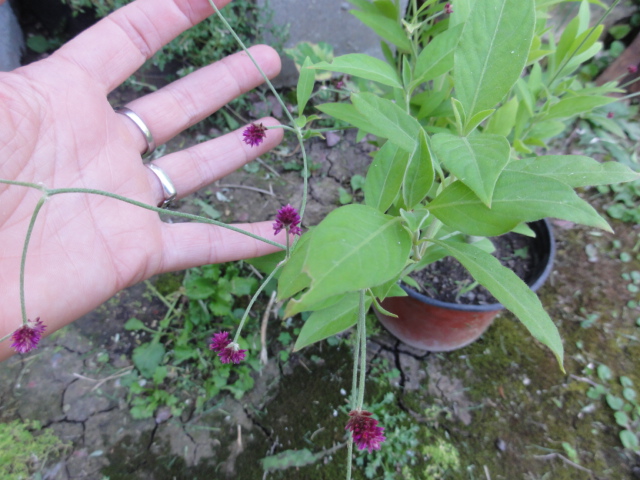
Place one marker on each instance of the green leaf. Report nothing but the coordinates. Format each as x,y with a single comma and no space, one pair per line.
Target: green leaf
288,459
575,170
569,107
199,288
492,52
348,113
629,440
503,121
510,291
324,323
147,358
134,324
305,85
615,403
292,278
476,161
388,120
517,198
437,57
419,174
386,28
384,177
476,120
363,66
342,247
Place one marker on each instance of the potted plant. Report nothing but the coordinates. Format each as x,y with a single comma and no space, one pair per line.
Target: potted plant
467,95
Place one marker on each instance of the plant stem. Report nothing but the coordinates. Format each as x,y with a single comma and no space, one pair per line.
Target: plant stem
253,300
57,191
363,350
23,260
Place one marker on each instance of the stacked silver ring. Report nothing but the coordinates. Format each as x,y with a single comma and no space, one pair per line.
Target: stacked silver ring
168,189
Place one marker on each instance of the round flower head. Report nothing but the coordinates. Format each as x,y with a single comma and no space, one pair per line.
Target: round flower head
254,134
287,217
448,9
632,69
232,354
27,337
219,342
365,430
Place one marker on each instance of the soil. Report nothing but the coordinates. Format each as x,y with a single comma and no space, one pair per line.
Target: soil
448,281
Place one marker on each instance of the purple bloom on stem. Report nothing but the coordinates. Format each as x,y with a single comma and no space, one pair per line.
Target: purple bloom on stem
610,115
219,342
232,354
287,217
254,134
27,337
365,430
448,9
632,69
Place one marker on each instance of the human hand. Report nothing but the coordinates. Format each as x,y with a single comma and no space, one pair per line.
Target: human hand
59,130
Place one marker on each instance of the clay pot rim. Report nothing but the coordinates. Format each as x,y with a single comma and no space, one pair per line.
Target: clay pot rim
547,240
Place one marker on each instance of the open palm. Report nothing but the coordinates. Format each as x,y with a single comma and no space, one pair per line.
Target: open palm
58,129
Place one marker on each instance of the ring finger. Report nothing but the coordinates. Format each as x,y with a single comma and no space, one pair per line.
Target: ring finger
187,101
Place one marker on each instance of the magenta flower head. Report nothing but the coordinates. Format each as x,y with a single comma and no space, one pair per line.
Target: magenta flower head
610,115
448,9
632,69
365,430
219,342
287,218
232,354
27,337
254,134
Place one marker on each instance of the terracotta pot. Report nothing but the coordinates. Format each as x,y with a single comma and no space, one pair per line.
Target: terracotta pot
438,326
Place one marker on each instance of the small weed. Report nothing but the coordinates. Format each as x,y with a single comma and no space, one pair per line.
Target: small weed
174,367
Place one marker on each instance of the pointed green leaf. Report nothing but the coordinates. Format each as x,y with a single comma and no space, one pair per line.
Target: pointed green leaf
569,107
341,251
503,121
476,161
386,28
305,85
575,170
388,120
292,278
324,323
363,66
510,291
492,52
384,177
419,175
518,197
437,57
349,114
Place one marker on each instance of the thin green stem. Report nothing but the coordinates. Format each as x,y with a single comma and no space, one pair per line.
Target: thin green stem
23,260
253,300
349,456
198,218
246,50
363,351
356,362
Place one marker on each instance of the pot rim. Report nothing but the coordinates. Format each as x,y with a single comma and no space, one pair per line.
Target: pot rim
544,233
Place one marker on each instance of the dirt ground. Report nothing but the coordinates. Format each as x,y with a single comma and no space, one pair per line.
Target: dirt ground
502,402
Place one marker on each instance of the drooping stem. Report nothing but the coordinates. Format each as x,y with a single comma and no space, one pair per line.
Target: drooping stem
253,300
23,260
354,381
362,327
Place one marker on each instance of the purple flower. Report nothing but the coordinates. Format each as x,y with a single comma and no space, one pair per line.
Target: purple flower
254,134
365,430
632,69
232,354
27,337
287,217
448,9
610,115
219,342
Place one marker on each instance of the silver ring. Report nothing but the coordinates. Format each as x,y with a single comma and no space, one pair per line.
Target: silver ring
135,118
168,190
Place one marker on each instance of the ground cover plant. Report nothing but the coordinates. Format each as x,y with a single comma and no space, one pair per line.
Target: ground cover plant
451,166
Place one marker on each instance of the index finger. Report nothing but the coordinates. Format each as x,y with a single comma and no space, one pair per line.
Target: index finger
116,46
